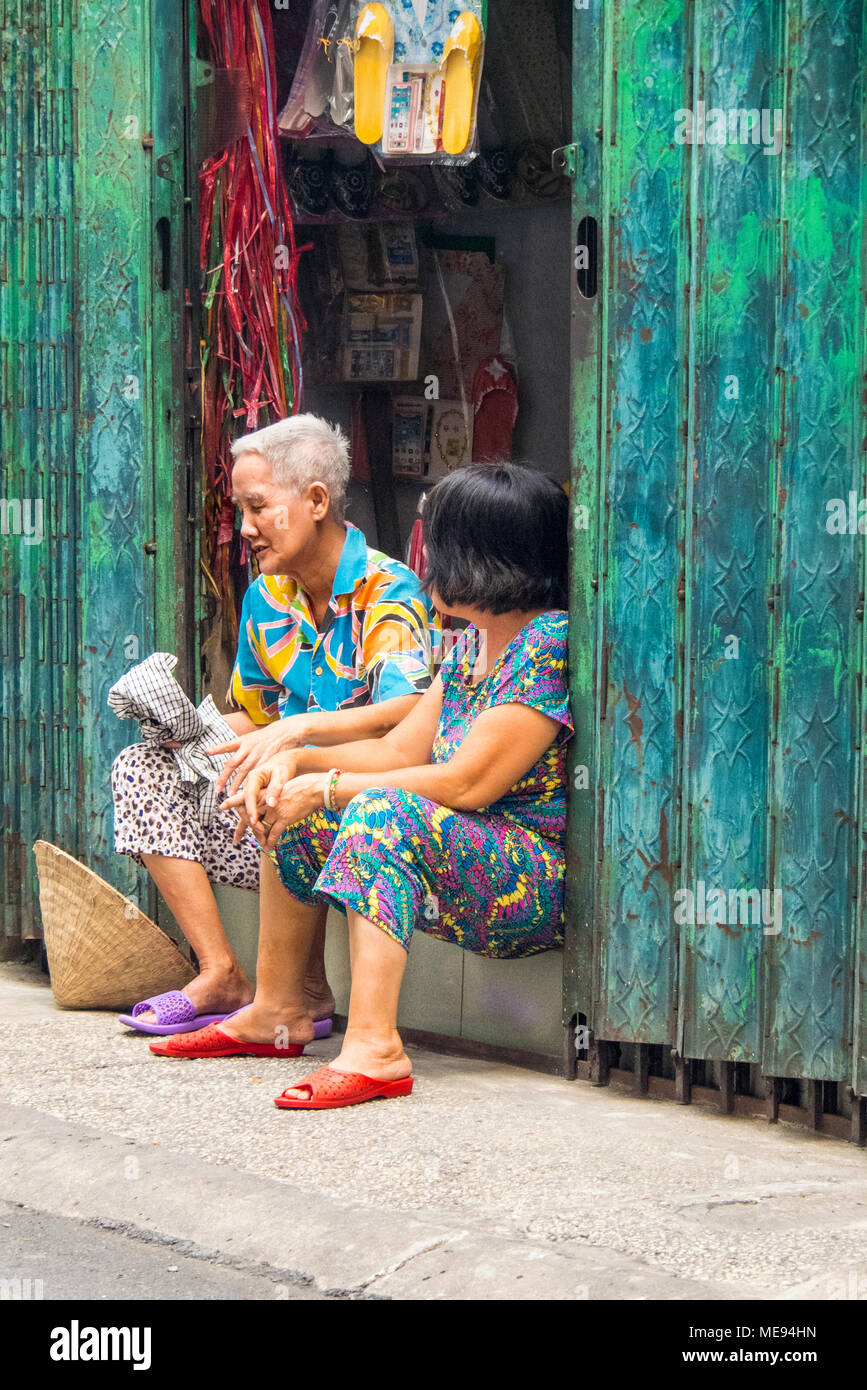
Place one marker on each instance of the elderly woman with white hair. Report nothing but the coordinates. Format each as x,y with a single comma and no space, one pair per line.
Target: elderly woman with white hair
336,643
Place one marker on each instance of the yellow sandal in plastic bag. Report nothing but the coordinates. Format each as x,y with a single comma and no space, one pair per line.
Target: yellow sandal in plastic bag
374,51
460,69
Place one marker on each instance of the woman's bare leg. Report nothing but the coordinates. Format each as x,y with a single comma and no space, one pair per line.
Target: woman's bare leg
221,984
372,1044
317,990
288,931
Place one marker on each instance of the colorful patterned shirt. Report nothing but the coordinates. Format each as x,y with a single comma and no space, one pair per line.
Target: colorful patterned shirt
380,639
533,670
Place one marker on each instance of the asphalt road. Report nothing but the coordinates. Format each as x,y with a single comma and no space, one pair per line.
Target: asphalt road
82,1261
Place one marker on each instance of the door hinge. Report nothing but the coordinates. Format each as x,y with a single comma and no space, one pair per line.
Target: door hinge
564,160
201,72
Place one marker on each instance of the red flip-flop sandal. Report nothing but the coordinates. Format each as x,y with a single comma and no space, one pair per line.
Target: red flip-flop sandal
495,407
329,1089
213,1042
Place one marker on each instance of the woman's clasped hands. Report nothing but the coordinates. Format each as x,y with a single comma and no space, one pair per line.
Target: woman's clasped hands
273,797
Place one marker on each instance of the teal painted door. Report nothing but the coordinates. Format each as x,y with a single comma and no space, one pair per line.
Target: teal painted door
716,874
92,186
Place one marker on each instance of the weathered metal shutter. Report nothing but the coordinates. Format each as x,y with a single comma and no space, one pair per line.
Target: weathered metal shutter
92,175
719,407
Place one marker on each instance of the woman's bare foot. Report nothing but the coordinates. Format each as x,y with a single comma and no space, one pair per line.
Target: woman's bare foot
258,1023
215,990
381,1058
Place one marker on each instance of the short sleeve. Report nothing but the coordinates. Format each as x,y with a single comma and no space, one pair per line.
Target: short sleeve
253,688
536,673
400,640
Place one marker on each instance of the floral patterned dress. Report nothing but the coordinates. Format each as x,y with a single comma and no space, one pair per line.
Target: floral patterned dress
490,881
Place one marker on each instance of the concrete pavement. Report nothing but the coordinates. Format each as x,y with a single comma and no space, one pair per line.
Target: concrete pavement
488,1182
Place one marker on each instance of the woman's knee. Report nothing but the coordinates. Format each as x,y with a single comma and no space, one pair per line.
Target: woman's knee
380,806
137,759
303,849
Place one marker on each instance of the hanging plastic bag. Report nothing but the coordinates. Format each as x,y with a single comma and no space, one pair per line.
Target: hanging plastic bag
342,106
321,97
417,74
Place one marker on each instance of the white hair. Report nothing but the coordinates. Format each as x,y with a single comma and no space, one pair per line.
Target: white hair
303,449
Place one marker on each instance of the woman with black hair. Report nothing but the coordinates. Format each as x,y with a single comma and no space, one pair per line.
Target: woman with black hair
454,822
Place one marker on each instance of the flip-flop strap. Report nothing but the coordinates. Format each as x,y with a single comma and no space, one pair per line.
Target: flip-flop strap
485,382
497,388
327,1084
309,1083
168,1008
204,1040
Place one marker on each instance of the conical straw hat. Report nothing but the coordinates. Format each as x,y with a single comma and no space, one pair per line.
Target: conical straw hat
103,953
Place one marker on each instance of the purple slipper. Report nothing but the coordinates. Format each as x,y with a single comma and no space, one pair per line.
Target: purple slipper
176,1013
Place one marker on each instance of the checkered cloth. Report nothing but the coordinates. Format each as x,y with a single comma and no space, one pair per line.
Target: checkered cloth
149,693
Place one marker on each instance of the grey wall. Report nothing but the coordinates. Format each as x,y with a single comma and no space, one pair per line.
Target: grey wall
533,245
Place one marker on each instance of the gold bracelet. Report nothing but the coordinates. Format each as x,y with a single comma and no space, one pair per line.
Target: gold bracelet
326,790
331,789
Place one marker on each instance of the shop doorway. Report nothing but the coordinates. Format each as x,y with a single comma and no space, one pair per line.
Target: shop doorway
437,302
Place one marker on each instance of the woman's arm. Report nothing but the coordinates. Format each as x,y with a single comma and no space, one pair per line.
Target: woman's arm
370,722
500,748
240,721
237,720
408,743
267,743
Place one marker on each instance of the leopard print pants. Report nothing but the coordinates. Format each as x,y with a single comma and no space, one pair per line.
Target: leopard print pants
156,813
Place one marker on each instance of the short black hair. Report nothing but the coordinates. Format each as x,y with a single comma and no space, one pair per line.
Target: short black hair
497,538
